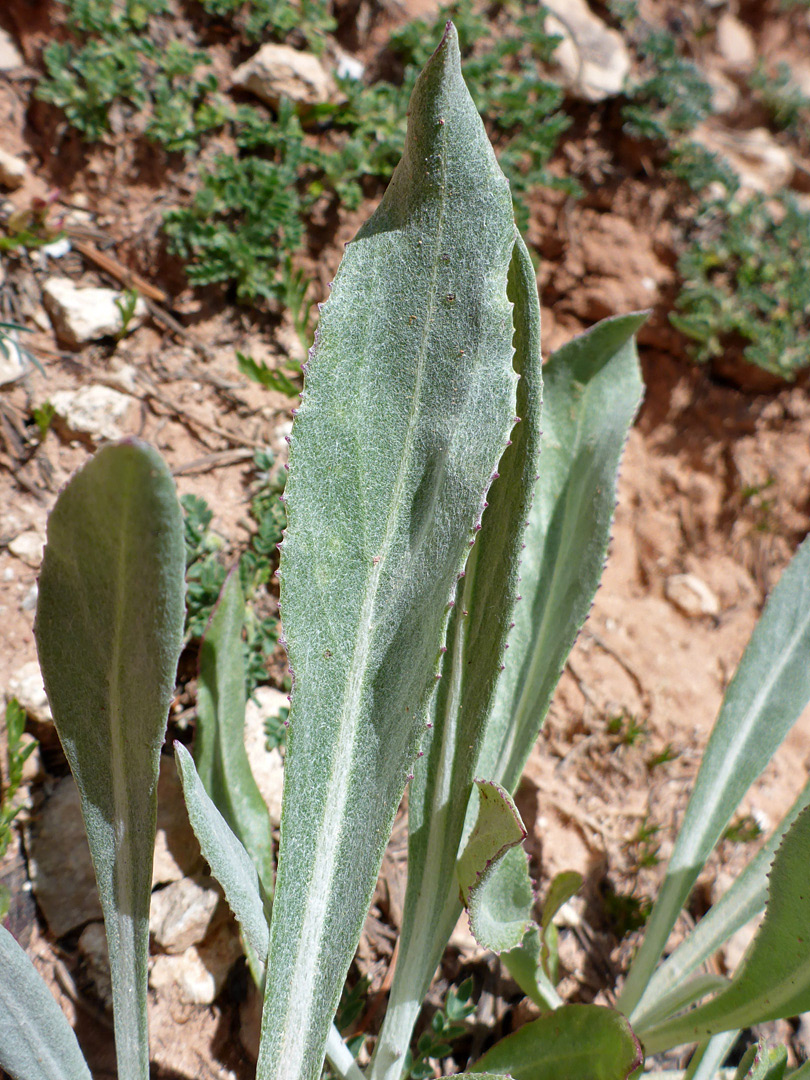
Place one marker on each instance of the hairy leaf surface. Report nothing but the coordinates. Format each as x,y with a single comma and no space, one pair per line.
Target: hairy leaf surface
764,699
109,632
773,980
408,404
219,747
744,899
36,1041
476,643
592,391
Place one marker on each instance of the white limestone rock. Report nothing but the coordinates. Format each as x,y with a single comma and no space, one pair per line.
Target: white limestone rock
593,59
181,914
27,687
13,170
278,71
61,870
97,411
80,315
691,596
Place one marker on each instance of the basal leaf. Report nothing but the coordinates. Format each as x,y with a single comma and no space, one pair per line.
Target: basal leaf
225,854
219,746
591,394
744,899
36,1041
408,404
575,1042
109,632
773,980
500,904
498,827
475,647
764,699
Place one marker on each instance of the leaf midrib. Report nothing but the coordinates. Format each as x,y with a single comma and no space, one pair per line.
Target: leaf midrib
304,970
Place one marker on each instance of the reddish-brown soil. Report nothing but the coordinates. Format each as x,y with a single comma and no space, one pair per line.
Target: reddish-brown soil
715,483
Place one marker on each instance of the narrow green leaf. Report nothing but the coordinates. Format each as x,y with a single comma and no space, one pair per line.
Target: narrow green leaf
764,699
773,980
219,746
705,1062
745,899
408,404
592,391
760,1062
232,867
560,891
525,967
576,1042
680,995
36,1041
109,632
225,854
438,799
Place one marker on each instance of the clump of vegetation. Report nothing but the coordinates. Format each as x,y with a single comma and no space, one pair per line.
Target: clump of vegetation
17,753
308,19
206,569
746,277
777,90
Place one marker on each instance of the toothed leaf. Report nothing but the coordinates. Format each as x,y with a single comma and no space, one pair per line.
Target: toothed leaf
592,391
443,782
408,403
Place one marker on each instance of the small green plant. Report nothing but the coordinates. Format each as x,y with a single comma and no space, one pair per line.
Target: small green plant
126,306
777,90
446,1026
669,753
206,570
627,728
308,19
417,507
744,829
16,756
644,845
43,417
746,281
673,98
272,378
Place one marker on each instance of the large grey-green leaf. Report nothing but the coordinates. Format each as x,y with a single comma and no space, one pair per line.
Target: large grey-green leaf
219,745
592,391
408,404
231,866
109,632
476,639
763,701
576,1042
773,980
36,1041
745,899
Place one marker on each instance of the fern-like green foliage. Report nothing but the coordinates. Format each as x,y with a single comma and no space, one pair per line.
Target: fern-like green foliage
746,277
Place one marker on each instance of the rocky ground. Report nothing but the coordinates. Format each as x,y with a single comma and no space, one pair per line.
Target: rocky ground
713,499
